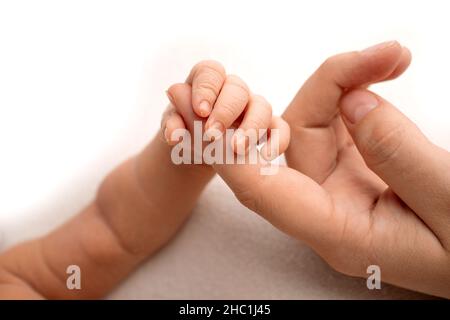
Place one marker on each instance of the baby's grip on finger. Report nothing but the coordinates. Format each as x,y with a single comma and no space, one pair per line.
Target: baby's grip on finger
232,100
278,141
256,121
207,78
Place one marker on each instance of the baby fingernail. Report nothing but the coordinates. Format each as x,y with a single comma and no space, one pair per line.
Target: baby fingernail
357,104
204,108
379,46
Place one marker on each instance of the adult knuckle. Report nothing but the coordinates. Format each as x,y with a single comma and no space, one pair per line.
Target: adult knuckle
327,64
382,143
330,66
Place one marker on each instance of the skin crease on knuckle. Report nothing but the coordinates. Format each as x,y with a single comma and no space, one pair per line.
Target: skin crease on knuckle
230,106
246,197
250,197
329,66
210,83
381,143
232,99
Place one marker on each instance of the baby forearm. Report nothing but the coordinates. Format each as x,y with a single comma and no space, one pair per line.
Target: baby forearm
147,198
138,208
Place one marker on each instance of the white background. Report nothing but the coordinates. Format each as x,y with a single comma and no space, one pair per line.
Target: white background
82,83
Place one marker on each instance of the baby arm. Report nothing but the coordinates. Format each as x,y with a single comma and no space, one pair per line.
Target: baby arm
138,208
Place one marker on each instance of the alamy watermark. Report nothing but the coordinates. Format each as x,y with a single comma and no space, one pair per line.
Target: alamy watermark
374,278
213,147
73,281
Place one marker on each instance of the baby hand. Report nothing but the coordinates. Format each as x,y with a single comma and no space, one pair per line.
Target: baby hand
221,102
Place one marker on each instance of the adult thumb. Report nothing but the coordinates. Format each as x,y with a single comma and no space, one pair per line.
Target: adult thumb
397,151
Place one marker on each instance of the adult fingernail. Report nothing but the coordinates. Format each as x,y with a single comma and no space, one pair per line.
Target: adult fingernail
379,46
215,130
357,104
204,108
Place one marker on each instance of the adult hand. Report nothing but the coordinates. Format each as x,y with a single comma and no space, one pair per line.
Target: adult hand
364,186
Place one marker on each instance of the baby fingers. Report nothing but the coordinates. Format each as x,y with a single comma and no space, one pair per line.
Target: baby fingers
232,100
207,79
254,125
